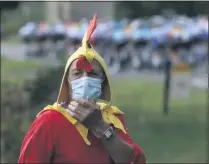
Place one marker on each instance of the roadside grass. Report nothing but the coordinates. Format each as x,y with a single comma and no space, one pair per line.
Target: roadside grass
19,71
179,137
14,39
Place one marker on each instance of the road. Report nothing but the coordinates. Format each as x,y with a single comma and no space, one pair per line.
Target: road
13,51
199,77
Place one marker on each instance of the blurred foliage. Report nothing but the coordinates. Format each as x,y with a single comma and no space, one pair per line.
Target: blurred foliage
9,5
18,71
45,87
137,9
17,112
15,118
12,20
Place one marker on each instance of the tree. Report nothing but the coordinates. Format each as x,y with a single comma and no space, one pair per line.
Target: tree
9,5
148,8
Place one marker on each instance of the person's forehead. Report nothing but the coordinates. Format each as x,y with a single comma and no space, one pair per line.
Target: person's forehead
95,65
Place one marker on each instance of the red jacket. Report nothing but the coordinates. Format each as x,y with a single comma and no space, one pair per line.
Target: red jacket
52,139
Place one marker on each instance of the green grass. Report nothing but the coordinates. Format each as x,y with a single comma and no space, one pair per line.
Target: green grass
179,137
19,71
14,39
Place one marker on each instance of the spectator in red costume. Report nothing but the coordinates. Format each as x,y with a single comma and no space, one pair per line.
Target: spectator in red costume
82,126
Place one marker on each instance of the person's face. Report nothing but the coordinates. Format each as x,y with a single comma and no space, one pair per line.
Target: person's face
74,73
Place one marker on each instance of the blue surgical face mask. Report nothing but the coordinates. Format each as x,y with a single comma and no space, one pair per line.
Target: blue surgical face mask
86,87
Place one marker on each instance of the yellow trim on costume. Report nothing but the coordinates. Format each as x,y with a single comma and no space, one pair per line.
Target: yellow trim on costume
108,115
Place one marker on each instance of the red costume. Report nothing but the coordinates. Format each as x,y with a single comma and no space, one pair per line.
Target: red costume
52,139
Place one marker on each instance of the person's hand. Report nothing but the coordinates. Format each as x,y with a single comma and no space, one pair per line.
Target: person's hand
86,112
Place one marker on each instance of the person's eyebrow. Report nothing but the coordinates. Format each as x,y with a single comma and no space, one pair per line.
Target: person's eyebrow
97,71
75,69
94,71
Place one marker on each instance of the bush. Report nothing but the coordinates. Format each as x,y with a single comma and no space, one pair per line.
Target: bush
13,20
45,88
20,103
15,118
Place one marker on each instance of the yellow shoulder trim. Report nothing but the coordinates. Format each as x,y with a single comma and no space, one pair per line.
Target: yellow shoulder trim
108,114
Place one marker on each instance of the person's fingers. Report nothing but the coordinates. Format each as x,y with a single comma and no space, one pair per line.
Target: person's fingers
92,104
74,103
74,115
79,111
71,107
84,103
90,100
81,101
